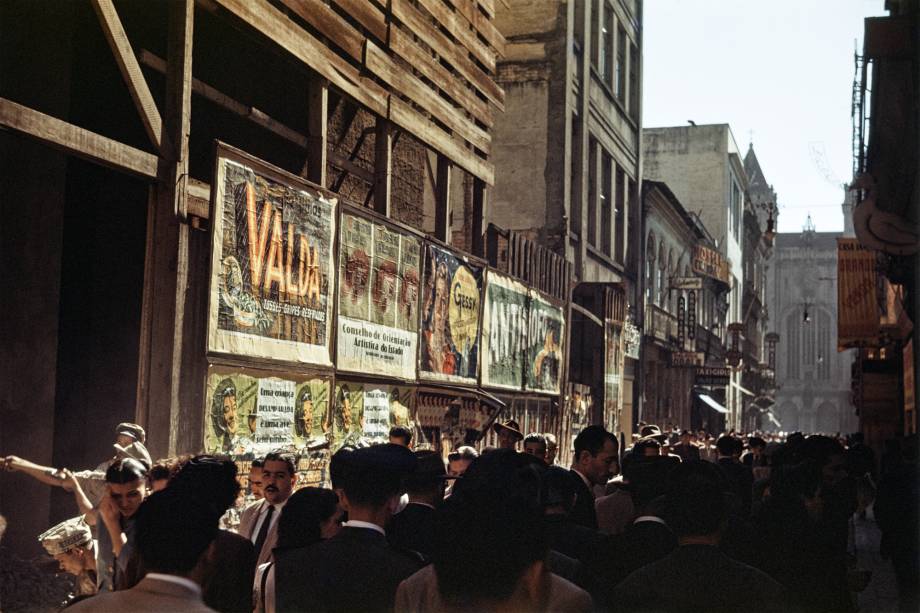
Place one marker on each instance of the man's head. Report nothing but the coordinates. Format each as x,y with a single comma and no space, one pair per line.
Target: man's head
685,437
428,481
209,481
373,478
647,448
126,482
127,433
728,446
509,433
697,501
311,514
460,459
255,478
557,491
278,476
828,455
400,435
552,447
596,454
535,445
757,445
71,544
174,529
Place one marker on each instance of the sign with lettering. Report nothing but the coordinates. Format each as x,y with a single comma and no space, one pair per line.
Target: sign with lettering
504,327
713,375
544,346
686,283
365,412
709,262
378,299
272,266
450,318
687,359
252,412
858,311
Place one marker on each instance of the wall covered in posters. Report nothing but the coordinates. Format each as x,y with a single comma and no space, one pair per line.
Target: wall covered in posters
378,299
544,345
450,318
250,413
363,413
272,265
504,327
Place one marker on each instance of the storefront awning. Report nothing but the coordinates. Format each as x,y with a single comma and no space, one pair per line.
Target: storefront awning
712,403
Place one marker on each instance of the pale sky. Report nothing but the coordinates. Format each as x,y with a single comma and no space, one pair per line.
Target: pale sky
780,69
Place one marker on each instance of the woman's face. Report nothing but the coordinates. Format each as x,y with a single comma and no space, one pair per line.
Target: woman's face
308,415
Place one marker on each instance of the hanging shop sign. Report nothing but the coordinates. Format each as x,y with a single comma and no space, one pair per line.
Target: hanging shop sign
363,413
504,328
687,359
710,263
450,318
858,311
713,375
544,350
378,299
250,413
686,283
272,266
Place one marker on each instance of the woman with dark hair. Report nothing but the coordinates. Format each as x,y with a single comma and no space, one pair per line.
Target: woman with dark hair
310,515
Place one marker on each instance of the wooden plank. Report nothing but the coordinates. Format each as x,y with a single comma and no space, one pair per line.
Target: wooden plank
461,30
405,47
439,140
444,47
383,166
488,7
481,23
77,141
442,201
318,14
130,69
479,203
318,128
380,64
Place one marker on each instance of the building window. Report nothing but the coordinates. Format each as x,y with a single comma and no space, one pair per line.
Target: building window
619,88
650,289
579,26
605,53
632,216
606,202
634,81
592,192
620,216
595,33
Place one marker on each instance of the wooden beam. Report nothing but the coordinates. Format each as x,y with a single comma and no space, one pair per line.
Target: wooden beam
77,141
481,23
383,164
442,201
317,130
130,70
479,204
461,30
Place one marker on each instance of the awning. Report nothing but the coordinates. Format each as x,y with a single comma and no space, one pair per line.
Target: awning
712,403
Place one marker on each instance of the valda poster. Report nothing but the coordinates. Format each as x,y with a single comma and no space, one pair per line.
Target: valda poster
363,413
378,299
504,328
272,268
544,351
250,413
450,318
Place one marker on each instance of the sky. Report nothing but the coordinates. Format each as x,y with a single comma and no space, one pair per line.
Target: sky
779,72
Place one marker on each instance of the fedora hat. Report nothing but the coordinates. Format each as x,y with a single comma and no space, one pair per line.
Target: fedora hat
509,426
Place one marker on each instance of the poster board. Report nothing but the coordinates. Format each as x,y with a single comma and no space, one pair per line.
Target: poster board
450,315
858,312
272,263
544,351
378,320
504,329
363,413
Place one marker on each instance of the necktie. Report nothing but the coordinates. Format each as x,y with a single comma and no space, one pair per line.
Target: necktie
263,530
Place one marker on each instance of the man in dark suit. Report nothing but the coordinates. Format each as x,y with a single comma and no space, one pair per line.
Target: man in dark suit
740,477
686,450
596,460
356,570
413,527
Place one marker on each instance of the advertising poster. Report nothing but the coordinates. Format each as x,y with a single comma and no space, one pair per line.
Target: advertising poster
613,376
272,267
544,351
504,326
450,318
858,311
251,413
363,413
378,299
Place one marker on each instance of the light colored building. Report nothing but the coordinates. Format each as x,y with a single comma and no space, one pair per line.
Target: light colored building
703,167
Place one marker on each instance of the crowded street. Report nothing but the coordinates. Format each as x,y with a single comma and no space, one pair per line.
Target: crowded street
418,306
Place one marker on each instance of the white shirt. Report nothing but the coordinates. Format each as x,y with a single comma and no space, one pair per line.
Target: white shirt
354,523
269,596
653,518
262,513
188,583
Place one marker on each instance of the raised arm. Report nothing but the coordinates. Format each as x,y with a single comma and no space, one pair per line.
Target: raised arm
45,474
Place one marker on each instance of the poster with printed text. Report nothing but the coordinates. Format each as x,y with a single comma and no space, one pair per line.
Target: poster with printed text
272,265
504,326
450,318
378,299
250,413
544,350
363,413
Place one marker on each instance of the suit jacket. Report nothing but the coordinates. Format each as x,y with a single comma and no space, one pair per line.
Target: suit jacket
356,570
413,529
741,479
583,512
227,585
687,453
248,520
150,595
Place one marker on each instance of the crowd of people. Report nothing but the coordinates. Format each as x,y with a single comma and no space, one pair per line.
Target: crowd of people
673,522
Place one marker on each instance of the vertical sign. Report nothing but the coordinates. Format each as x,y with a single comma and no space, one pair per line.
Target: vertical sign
691,314
858,311
504,329
681,320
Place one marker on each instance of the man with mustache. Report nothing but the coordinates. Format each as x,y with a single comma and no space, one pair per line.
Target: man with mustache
259,521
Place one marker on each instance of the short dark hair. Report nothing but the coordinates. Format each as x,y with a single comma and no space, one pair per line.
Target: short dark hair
337,466
727,444
591,439
125,470
535,437
697,498
173,530
756,441
645,443
371,485
303,514
257,463
557,488
210,480
282,456
464,452
401,432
